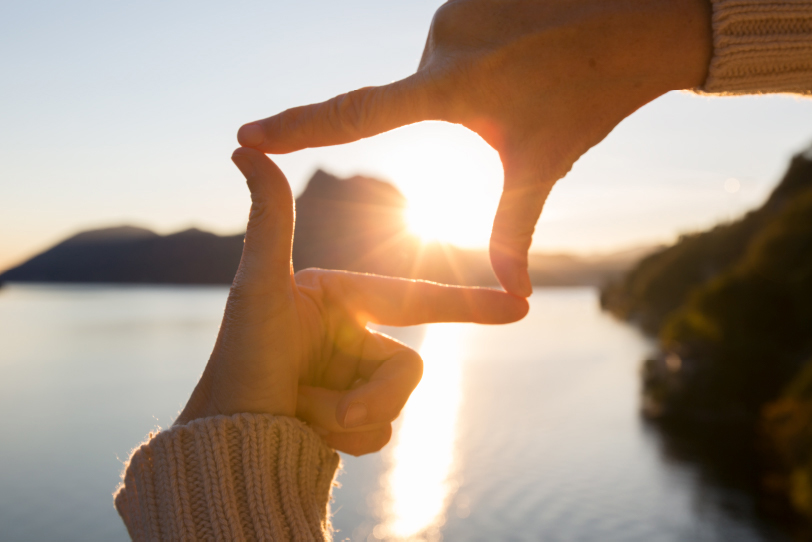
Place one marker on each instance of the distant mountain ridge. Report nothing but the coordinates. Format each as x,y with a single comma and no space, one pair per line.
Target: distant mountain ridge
355,224
127,254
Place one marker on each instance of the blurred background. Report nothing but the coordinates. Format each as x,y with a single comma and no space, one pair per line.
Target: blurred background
659,389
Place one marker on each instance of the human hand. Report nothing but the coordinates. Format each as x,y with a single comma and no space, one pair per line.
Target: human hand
298,344
541,81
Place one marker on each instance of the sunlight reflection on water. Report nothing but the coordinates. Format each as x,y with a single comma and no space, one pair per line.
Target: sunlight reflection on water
420,478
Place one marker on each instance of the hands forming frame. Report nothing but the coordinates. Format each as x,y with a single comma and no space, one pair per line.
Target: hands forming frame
541,82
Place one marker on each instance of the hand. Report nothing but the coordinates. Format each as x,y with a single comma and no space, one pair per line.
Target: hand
541,81
298,344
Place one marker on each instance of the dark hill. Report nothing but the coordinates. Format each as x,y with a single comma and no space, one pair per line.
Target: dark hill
355,224
664,280
133,255
732,308
733,304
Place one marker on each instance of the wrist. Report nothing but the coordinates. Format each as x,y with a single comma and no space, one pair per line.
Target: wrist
683,42
649,46
661,45
217,394
200,404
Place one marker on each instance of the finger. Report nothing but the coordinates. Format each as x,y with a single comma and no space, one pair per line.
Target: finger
519,209
266,257
389,384
349,117
360,443
388,374
319,407
403,302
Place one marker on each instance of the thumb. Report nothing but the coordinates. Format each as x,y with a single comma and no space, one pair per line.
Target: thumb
523,197
349,117
266,257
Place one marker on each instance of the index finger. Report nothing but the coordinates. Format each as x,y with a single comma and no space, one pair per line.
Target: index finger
349,117
403,302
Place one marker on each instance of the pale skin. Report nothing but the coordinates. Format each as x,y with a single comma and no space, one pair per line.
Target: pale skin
542,81
297,344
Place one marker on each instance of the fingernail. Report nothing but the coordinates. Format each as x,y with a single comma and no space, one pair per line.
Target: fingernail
250,135
356,415
525,286
244,164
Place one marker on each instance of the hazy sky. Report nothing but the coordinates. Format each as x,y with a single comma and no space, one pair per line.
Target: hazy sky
125,112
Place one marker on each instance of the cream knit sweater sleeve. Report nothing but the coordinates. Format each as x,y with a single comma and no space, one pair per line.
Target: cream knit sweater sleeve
242,477
761,46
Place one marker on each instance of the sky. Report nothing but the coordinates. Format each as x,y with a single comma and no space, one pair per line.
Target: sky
126,113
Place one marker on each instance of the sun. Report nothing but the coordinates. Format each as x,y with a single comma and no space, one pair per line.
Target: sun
458,224
450,177
452,181
429,224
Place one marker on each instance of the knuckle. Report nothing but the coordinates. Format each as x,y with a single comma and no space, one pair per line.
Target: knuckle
285,129
382,438
337,291
258,214
350,112
446,20
460,22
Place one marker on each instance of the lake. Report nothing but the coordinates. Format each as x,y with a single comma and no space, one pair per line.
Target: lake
523,432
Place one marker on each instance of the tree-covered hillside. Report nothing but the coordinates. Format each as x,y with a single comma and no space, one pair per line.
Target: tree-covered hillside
663,281
732,309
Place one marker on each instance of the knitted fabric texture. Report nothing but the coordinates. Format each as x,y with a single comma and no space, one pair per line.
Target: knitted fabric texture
242,477
761,47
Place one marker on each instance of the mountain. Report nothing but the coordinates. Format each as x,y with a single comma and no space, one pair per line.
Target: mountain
355,224
732,307
660,283
134,255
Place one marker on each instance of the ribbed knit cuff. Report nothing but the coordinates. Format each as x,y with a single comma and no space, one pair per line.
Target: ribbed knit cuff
761,46
242,477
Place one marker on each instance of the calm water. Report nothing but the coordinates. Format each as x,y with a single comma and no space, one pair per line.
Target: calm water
521,432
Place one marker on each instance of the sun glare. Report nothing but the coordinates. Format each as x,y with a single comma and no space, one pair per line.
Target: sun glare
453,213
451,178
464,227
420,480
